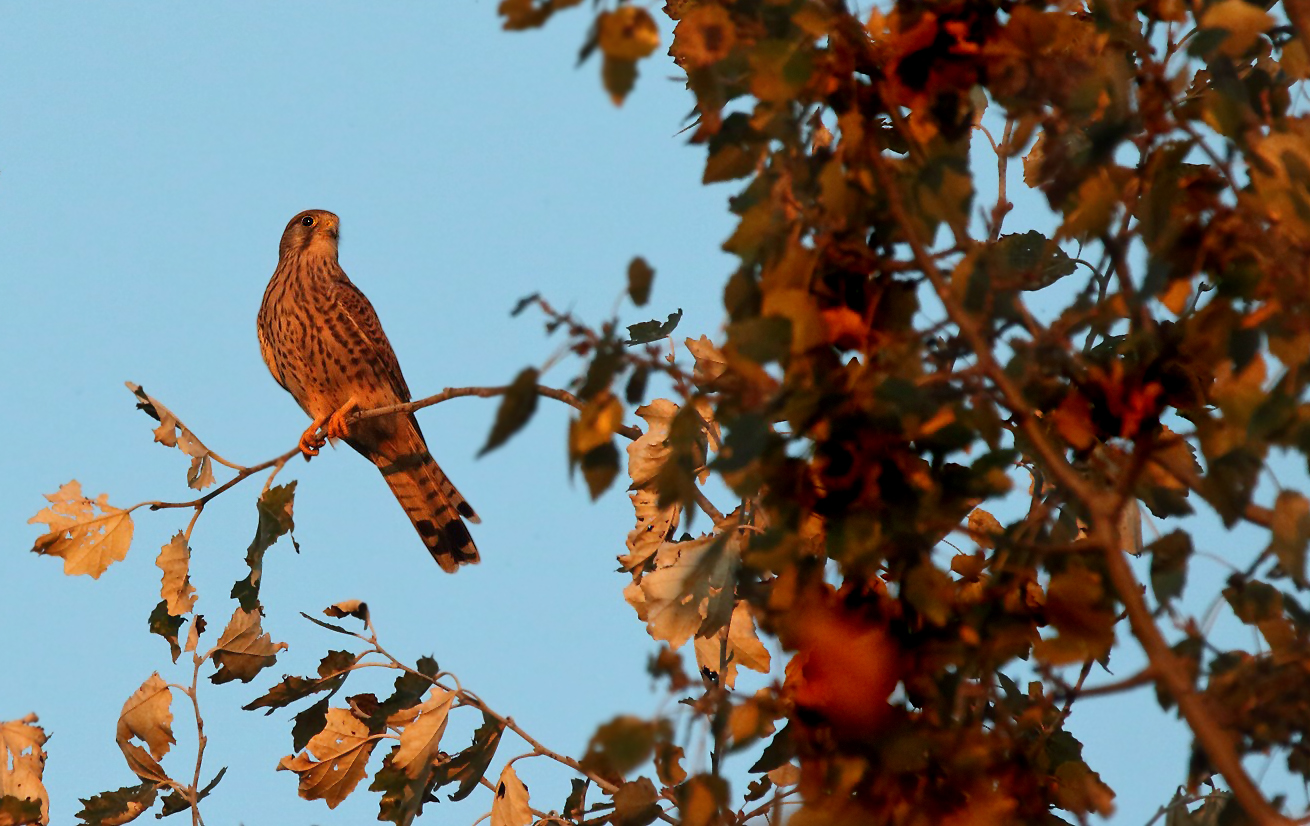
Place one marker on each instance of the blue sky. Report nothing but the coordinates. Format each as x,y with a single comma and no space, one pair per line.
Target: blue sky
149,158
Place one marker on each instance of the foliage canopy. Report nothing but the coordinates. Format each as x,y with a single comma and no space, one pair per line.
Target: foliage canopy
943,432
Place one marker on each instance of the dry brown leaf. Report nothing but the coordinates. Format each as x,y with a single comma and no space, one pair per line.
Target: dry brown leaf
87,541
244,649
744,648
674,599
510,808
420,739
172,433
335,760
147,716
646,456
710,361
175,561
348,608
22,762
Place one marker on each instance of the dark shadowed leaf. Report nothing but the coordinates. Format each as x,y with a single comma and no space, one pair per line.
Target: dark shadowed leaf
1169,557
780,750
166,625
635,803
619,76
620,746
1290,534
332,672
640,276
600,466
574,802
308,723
274,509
105,809
468,767
647,331
515,409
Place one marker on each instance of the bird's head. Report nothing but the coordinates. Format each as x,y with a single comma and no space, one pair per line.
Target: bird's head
312,232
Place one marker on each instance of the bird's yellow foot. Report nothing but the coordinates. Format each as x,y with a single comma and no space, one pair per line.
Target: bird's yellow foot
311,441
338,425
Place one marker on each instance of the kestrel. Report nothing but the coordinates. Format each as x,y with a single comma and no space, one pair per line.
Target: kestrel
322,340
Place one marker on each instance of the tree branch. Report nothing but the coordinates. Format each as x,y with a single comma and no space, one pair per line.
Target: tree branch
627,431
1169,672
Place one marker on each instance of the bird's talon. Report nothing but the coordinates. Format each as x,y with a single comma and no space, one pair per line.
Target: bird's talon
338,426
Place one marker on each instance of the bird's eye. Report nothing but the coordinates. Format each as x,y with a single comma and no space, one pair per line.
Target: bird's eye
307,221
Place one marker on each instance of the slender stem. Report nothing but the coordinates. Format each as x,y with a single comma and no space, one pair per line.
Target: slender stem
449,393
201,739
235,480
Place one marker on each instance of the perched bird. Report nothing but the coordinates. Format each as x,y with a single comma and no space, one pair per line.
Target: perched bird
322,340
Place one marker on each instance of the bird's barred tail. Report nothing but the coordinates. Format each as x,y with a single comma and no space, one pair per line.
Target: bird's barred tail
428,497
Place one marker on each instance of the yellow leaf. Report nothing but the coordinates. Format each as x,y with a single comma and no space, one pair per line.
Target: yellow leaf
1176,295
705,35
175,560
335,760
147,716
87,541
627,33
1243,22
22,762
596,425
510,808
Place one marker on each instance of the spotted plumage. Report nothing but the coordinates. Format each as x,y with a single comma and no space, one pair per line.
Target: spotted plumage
322,340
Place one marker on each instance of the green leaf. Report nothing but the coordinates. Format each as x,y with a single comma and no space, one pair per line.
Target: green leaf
640,276
515,409
106,808
648,331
